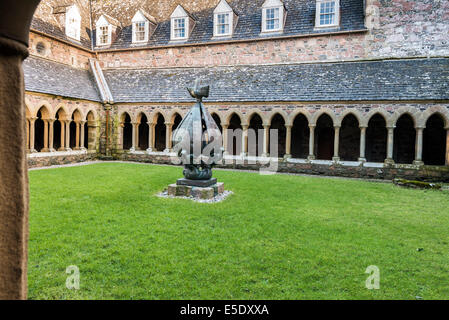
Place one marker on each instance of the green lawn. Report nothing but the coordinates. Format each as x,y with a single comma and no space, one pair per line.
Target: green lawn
276,237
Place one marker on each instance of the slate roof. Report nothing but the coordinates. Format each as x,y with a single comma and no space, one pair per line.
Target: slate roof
300,21
59,79
395,80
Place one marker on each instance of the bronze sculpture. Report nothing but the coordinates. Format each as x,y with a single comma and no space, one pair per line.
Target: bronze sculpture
198,142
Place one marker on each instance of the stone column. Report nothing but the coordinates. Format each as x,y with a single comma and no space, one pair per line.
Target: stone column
390,144
266,140
288,142
362,144
28,135
312,142
447,146
418,147
51,123
32,132
168,144
83,133
77,137
244,140
225,138
62,147
67,135
150,136
134,136
336,157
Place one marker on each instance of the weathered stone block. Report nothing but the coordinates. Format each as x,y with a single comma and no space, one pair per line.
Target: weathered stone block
183,191
203,193
219,188
172,190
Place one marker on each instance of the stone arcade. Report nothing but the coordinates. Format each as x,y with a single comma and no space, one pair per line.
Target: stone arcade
355,88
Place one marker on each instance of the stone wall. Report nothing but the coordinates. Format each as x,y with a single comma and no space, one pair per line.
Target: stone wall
59,51
396,29
59,158
367,171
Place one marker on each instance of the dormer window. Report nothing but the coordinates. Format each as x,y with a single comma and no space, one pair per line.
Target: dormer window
181,24
104,36
179,28
224,20
73,23
143,23
273,16
327,13
106,27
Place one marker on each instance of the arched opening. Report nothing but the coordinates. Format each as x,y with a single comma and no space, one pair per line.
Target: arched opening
39,130
324,138
349,139
75,132
235,135
127,131
404,140
434,141
176,122
90,132
217,121
278,123
143,132
376,139
160,133
300,137
255,136
59,130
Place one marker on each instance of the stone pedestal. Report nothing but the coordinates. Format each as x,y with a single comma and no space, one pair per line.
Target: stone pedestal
203,193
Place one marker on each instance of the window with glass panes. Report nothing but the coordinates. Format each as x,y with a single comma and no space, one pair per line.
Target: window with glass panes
140,31
272,19
180,28
223,26
104,35
327,13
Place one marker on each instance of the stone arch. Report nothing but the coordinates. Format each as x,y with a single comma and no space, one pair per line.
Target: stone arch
154,116
435,140
404,141
300,134
143,131
126,131
255,134
234,134
349,143
376,137
228,115
253,113
75,129
412,112
59,126
292,117
324,136
356,113
90,130
160,128
91,115
442,111
382,112
275,112
40,142
173,113
324,111
216,116
277,122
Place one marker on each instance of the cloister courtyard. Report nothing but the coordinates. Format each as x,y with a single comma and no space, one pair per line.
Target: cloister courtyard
276,237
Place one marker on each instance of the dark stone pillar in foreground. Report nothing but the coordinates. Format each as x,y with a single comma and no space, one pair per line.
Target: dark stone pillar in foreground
15,19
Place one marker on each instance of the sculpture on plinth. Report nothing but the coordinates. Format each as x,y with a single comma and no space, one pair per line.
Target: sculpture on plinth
197,142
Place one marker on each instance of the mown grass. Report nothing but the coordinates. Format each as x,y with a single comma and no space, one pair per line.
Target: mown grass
276,237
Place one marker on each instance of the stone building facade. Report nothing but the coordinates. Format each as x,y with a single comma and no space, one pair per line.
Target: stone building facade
353,88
